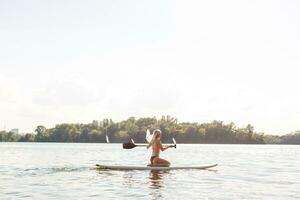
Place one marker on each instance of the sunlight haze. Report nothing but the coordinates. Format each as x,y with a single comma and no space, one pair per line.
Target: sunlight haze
78,61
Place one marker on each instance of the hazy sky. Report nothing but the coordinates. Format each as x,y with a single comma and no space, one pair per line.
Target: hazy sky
75,61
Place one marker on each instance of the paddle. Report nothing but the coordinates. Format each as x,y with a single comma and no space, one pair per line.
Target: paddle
132,145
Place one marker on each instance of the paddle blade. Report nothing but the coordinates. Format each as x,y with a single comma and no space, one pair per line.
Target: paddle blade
132,140
128,145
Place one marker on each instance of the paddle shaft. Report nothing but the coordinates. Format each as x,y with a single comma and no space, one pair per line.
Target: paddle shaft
141,145
132,145
144,145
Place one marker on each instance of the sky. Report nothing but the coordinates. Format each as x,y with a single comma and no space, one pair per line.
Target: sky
77,61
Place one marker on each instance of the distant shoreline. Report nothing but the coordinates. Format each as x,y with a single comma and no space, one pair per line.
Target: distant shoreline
122,143
215,132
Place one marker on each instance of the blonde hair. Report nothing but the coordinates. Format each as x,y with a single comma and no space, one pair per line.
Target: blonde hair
155,133
156,130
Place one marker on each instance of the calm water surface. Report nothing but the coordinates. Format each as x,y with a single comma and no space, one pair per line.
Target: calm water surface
66,171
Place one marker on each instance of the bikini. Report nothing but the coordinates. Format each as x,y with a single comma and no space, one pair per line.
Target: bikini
154,155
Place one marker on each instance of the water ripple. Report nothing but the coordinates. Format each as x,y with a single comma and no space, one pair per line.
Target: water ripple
66,171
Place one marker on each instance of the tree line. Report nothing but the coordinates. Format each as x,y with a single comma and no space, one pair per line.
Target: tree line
216,132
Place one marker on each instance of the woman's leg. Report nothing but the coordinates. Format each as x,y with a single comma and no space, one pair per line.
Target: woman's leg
161,162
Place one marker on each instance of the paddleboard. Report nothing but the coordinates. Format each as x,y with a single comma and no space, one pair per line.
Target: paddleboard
116,167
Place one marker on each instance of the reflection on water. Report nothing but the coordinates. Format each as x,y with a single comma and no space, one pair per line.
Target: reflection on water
156,183
156,178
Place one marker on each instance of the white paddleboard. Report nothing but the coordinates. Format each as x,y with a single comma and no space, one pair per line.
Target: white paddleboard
115,167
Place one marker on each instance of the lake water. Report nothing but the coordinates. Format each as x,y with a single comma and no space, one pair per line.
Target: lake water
66,171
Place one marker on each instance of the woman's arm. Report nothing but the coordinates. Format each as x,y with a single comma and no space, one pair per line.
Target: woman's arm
149,145
162,148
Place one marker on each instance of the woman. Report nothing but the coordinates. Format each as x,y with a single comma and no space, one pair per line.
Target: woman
156,145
